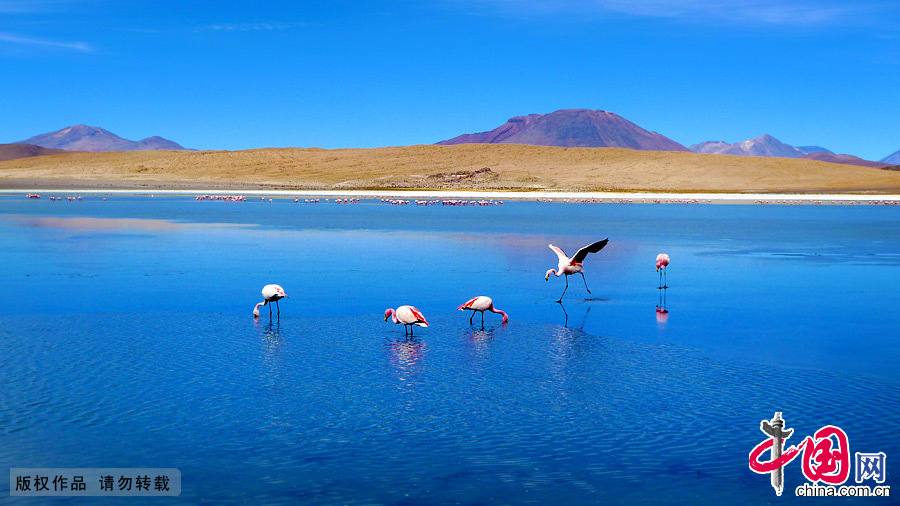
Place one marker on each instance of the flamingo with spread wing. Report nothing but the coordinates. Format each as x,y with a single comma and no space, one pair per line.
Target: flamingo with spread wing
569,266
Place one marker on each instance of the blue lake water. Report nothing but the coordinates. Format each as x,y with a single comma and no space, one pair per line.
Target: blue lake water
126,341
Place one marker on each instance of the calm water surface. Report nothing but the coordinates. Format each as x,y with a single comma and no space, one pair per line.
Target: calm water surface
126,341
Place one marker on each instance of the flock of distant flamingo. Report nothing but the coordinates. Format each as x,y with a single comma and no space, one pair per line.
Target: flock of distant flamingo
411,317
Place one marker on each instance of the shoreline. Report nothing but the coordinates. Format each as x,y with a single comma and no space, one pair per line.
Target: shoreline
562,196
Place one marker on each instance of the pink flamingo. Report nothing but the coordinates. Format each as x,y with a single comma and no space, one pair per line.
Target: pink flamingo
270,293
480,304
408,316
570,266
662,262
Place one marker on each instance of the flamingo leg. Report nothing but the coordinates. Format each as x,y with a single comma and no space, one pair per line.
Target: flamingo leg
564,289
279,308
470,318
665,278
482,319
659,285
270,310
585,282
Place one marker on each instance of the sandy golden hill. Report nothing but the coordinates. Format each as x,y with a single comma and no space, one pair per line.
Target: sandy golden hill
466,166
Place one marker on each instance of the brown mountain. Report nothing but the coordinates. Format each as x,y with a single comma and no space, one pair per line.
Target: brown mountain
507,167
17,150
845,159
91,138
572,128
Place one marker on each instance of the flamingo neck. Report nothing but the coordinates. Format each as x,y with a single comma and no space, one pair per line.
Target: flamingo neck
393,314
500,312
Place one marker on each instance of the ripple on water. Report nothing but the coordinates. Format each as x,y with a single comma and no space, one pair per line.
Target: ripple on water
300,411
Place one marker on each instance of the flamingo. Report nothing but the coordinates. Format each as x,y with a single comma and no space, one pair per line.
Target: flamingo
480,304
270,293
408,316
662,262
570,266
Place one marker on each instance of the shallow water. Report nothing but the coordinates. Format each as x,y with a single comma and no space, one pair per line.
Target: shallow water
126,340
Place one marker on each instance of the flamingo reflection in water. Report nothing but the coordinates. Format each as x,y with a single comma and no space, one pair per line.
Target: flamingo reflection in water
271,330
569,343
479,339
583,318
406,356
662,310
407,351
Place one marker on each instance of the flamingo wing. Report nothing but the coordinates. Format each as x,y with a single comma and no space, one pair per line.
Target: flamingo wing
420,318
563,258
591,248
272,290
468,304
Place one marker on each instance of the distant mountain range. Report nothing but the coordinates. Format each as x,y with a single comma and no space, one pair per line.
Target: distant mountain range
814,149
595,128
766,145
892,159
565,128
571,128
91,138
13,151
845,159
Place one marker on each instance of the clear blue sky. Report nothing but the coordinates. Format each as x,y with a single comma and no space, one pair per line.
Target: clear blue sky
334,73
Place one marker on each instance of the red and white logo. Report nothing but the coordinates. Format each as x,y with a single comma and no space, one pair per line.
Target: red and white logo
825,460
